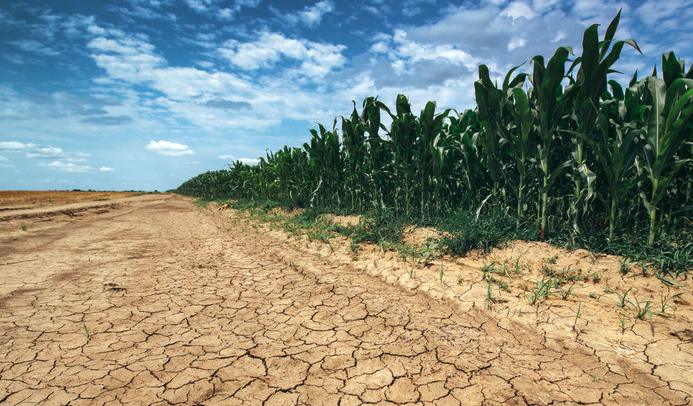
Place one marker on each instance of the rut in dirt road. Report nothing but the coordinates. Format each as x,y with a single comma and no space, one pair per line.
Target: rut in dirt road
155,303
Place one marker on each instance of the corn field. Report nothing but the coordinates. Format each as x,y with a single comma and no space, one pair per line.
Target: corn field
564,147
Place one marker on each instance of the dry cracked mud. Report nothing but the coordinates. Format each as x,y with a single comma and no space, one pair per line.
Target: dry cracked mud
156,301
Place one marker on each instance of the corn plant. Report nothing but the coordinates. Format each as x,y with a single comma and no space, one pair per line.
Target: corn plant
668,114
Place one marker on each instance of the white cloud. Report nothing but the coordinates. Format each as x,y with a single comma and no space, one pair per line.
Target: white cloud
2,158
518,9
317,59
127,59
31,45
232,158
45,152
212,7
66,166
517,42
15,146
106,169
168,148
312,15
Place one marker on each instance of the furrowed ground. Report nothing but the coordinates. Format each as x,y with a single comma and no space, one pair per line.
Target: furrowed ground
153,300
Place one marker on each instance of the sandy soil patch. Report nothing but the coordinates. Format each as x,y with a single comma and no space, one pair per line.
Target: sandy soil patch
158,301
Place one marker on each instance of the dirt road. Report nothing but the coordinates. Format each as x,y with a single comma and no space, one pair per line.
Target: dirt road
156,301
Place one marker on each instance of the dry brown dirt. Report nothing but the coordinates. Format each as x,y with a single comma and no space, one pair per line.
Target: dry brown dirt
153,300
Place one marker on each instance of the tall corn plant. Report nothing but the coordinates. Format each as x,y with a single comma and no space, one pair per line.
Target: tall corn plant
354,158
549,106
403,138
431,154
325,166
590,83
615,148
506,116
463,133
668,114
521,139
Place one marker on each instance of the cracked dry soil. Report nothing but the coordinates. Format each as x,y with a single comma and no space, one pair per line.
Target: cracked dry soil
156,301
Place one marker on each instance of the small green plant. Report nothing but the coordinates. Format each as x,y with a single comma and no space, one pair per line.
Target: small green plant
577,315
593,295
565,293
441,273
541,290
489,295
623,266
665,303
354,247
623,298
23,226
86,330
486,269
623,324
516,265
428,252
551,260
642,309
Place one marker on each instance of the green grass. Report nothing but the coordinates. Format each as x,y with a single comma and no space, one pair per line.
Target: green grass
670,258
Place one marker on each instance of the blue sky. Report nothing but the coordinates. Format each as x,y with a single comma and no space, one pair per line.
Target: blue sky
144,94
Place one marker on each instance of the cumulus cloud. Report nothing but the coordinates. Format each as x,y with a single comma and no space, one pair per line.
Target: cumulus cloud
106,169
317,59
518,9
168,148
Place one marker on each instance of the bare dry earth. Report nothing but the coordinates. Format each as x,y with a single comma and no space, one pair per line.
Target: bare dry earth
152,300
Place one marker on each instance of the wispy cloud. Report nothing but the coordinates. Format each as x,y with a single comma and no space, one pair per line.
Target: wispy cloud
109,120
310,15
228,104
232,158
106,169
220,9
36,151
66,166
168,148
34,46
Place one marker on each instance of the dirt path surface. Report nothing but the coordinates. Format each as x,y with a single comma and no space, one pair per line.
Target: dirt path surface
157,301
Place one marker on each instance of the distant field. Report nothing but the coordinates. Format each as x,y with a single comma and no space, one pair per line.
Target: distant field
16,199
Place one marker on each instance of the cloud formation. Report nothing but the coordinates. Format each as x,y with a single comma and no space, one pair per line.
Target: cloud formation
66,166
168,148
260,73
316,59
